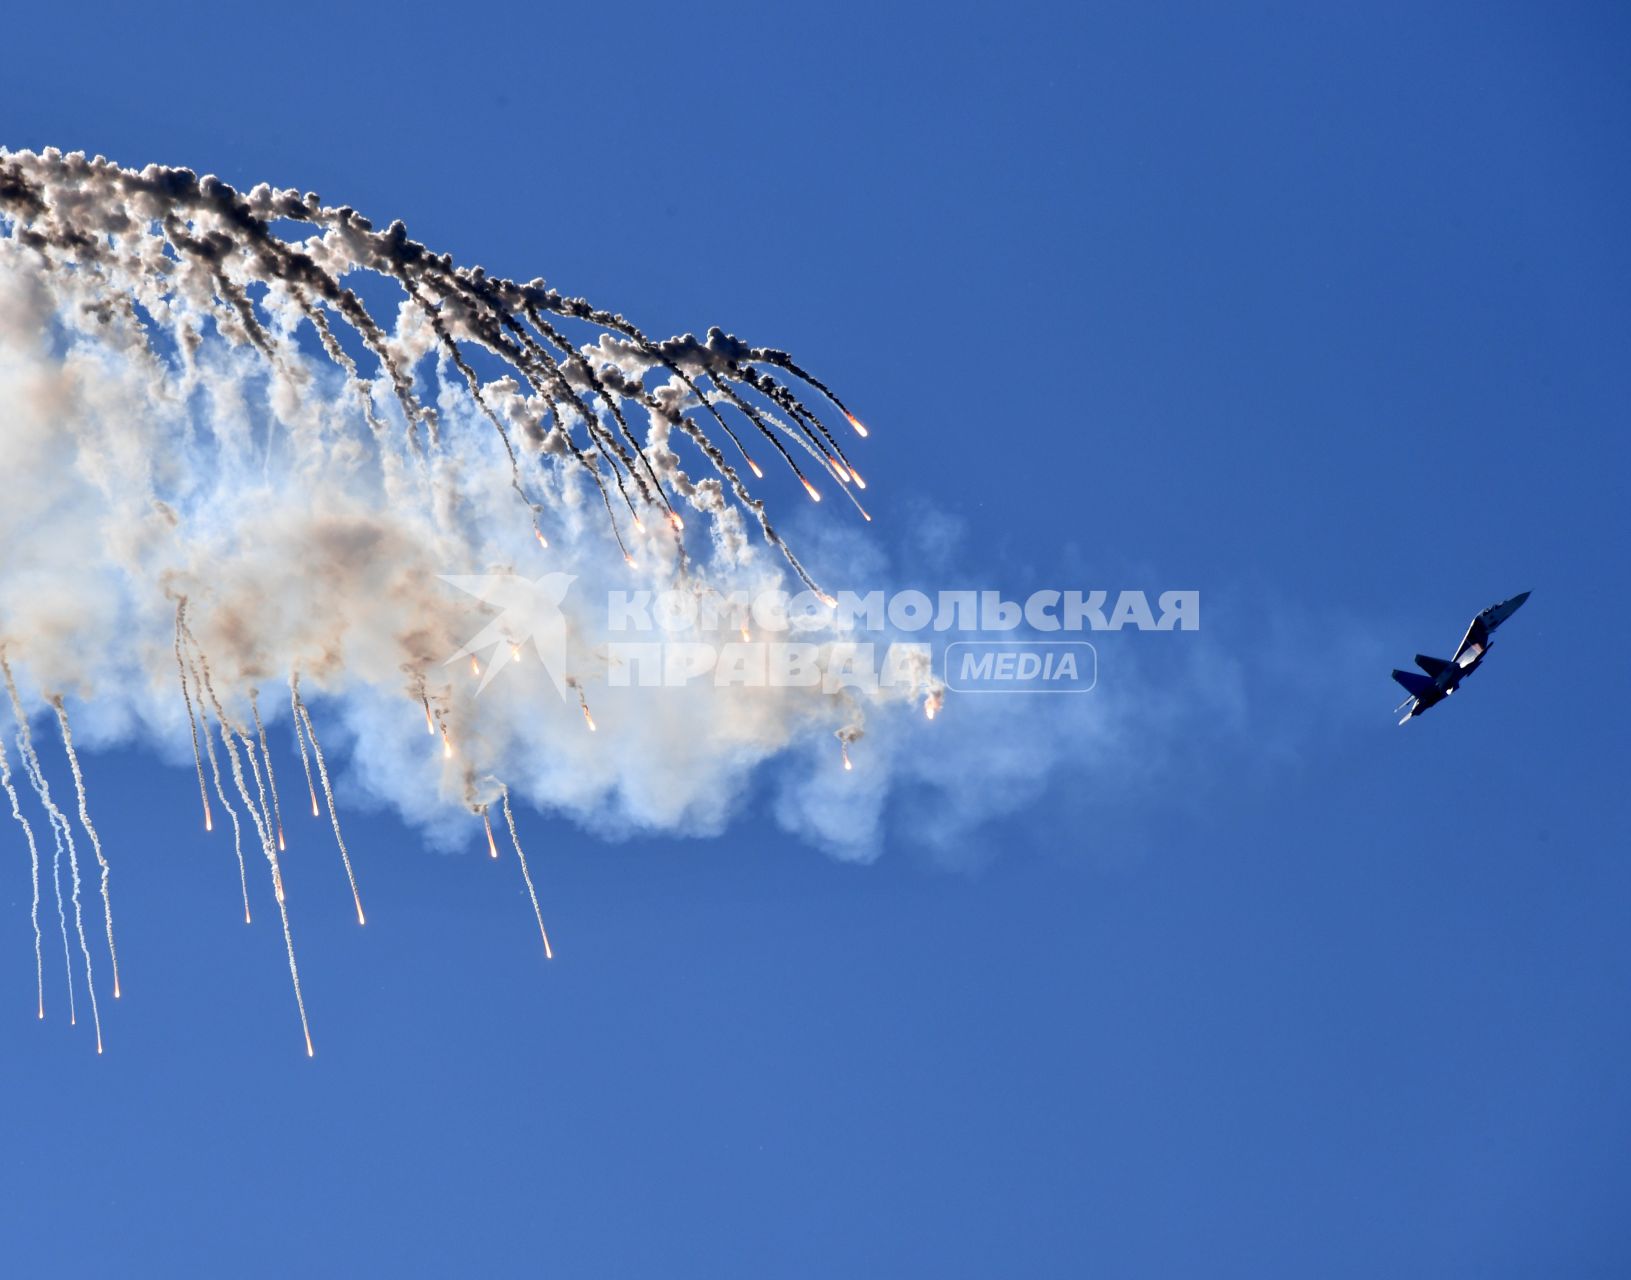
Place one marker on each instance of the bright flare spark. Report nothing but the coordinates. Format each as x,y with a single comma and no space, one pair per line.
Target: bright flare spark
815,495
492,848
843,749
860,427
542,541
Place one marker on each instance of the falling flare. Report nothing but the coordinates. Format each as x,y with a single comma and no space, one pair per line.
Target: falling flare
300,739
843,750
539,534
63,834
475,667
674,519
583,704
815,495
856,476
328,796
266,754
492,848
96,841
430,725
447,746
526,875
192,719
220,792
34,873
754,466
860,427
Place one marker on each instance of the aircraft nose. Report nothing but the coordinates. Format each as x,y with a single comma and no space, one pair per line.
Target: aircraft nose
1519,599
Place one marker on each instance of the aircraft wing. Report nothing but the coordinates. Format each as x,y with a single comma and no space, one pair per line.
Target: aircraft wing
1476,640
1473,643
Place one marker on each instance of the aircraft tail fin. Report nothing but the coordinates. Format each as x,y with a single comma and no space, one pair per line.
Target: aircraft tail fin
1416,684
1432,666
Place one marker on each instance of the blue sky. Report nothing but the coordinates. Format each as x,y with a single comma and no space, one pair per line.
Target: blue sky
1321,312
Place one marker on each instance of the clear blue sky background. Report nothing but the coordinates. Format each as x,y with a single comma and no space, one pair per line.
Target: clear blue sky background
1321,310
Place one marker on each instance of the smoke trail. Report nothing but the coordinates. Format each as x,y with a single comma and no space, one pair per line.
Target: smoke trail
260,794
96,840
328,793
237,828
268,847
266,754
62,914
33,871
192,719
64,834
300,738
526,875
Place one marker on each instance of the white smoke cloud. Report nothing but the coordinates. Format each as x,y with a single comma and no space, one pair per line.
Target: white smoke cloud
171,434
182,419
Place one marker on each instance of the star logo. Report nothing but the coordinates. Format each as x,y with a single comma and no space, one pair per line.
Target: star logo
529,612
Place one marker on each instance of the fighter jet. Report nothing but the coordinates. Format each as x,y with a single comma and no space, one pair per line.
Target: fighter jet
1444,678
